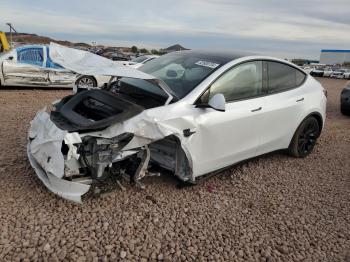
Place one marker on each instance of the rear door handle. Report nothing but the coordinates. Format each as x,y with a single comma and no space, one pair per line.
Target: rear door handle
301,99
257,109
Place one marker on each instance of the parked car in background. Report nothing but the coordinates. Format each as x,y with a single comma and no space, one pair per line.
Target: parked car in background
189,112
31,65
327,71
340,73
308,69
141,60
346,74
317,71
114,55
118,57
345,100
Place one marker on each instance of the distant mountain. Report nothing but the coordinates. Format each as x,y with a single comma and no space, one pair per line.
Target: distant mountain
176,47
25,38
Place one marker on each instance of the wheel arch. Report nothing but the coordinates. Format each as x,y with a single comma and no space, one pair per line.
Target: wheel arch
318,117
183,168
314,114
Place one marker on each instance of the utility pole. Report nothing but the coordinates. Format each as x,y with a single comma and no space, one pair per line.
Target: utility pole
11,28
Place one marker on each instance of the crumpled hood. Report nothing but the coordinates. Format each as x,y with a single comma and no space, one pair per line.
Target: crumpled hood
86,63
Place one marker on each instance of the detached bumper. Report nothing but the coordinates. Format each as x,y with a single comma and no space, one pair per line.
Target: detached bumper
44,154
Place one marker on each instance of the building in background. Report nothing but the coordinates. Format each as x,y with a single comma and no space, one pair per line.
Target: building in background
332,57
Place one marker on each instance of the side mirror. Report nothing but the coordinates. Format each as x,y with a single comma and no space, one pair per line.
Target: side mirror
10,58
217,102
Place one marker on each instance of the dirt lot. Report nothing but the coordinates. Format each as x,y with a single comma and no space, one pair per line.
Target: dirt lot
273,208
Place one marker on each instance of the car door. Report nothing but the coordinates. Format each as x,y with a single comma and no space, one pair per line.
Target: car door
58,75
284,105
224,138
26,69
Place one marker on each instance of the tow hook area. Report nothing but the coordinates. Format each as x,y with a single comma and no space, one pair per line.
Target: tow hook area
141,171
132,175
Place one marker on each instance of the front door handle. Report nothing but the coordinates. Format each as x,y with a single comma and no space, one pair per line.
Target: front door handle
301,99
257,109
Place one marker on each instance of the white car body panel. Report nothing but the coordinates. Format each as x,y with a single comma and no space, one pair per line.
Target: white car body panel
246,129
346,75
327,73
22,74
294,105
211,153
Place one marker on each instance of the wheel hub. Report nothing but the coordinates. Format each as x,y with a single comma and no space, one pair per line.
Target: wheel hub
307,139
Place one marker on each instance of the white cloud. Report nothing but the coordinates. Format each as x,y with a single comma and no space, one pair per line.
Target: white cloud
317,22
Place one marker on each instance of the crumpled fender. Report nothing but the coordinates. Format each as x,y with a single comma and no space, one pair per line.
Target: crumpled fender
45,142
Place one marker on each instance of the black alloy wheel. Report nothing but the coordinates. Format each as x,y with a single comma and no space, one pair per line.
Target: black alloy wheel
305,138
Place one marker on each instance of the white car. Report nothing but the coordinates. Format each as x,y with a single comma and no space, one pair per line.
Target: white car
308,69
140,61
189,112
340,74
327,72
31,65
317,71
346,74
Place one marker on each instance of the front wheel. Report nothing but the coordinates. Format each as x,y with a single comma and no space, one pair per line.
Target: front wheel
305,138
86,82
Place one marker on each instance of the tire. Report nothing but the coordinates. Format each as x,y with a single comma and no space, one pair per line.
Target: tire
305,137
86,82
344,111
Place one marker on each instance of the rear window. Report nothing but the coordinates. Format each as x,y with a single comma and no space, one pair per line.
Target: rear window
283,77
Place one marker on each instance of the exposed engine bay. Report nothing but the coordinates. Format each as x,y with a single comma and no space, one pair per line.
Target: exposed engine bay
95,110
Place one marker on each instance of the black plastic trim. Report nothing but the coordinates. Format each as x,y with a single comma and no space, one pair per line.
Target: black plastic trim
66,118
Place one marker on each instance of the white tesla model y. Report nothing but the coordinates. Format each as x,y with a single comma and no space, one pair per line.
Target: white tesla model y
189,112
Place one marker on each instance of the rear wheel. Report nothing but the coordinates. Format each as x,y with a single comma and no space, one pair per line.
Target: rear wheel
86,82
344,110
305,138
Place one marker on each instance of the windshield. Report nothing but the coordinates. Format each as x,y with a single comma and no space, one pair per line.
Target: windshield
139,59
181,71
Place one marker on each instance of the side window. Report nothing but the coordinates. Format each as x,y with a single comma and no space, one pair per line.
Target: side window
49,62
33,56
241,82
283,77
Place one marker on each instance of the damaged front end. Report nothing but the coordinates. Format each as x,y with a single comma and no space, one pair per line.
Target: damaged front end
95,135
98,134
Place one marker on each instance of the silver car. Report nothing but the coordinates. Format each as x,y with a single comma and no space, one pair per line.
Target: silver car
31,65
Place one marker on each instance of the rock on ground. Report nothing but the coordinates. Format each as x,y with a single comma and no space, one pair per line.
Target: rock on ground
272,208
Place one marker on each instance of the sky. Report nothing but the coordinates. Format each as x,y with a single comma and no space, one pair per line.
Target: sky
287,29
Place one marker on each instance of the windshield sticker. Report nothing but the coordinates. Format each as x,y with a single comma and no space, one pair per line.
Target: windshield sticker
207,64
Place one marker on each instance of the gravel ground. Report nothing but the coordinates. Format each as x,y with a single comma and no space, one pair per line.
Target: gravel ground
272,208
